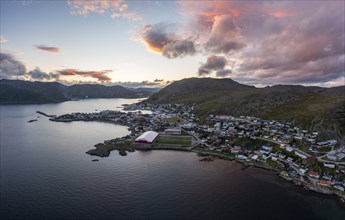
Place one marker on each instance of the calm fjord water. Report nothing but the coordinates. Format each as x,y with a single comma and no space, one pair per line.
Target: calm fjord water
45,173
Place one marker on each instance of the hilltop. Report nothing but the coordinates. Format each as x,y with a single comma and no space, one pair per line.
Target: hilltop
26,92
310,107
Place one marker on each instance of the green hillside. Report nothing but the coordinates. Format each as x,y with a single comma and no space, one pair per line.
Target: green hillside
310,107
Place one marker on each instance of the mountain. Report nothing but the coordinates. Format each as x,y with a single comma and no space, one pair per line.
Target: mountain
145,92
197,90
25,92
310,107
17,91
98,91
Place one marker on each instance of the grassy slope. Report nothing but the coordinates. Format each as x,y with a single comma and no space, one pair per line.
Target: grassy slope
309,107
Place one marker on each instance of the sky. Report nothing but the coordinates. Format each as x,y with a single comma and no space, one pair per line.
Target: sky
153,43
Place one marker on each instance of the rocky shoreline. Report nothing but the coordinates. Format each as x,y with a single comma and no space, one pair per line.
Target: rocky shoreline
281,174
104,149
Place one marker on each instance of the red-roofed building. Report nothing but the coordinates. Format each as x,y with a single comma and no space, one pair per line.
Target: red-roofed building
325,183
313,174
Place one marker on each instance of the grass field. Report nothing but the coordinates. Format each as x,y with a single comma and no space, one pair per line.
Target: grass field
174,139
176,120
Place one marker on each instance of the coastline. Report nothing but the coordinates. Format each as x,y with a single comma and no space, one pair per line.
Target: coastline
125,144
246,164
279,173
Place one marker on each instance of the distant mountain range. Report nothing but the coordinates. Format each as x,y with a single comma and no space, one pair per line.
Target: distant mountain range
310,107
26,92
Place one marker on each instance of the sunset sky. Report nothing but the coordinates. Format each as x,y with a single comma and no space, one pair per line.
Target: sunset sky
153,43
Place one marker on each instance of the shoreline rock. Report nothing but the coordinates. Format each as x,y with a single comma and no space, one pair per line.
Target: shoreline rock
42,113
206,159
122,153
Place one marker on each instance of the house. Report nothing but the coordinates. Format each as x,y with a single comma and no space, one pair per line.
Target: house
289,148
147,137
231,130
341,156
263,151
289,159
235,150
324,183
267,148
332,142
322,144
282,156
327,176
339,187
313,174
301,154
266,156
274,157
242,157
188,126
303,170
173,131
332,156
329,165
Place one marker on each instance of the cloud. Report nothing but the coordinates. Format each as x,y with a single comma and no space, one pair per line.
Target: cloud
157,83
160,38
10,67
2,40
224,37
48,49
179,48
309,50
117,8
272,42
155,37
99,75
37,74
130,16
213,63
223,73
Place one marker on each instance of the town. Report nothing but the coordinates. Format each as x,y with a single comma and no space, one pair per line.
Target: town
296,154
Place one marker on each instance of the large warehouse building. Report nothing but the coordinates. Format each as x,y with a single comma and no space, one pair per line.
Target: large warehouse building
147,137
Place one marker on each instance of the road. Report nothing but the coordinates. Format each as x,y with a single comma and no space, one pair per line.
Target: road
320,158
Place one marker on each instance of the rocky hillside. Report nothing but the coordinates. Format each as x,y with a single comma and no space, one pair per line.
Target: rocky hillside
310,107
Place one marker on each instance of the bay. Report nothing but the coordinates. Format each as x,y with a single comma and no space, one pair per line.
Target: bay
45,173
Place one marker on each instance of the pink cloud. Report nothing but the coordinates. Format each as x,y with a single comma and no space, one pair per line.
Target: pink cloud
273,41
99,75
117,8
159,38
